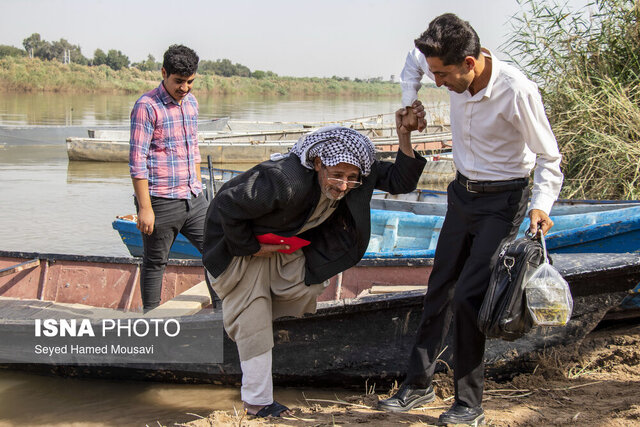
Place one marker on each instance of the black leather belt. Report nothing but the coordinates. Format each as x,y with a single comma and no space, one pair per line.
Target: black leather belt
491,186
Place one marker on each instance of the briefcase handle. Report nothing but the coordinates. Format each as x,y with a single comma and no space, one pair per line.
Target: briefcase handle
540,236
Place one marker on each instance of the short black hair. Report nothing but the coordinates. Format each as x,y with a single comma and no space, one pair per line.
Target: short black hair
181,60
449,38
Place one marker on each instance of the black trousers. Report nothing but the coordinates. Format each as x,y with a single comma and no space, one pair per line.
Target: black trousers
475,226
172,216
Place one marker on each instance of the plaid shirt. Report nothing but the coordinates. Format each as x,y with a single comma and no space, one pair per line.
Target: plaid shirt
164,144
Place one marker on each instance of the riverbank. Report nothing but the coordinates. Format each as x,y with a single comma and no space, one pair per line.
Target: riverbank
24,75
595,383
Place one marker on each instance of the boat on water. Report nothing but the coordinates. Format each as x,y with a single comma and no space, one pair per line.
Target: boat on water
404,234
437,173
434,202
360,332
408,235
252,142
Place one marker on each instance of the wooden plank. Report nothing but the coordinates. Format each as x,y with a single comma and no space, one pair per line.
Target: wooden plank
383,289
19,267
19,309
189,302
24,309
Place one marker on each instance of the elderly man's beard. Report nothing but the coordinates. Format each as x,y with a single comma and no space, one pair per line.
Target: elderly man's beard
326,190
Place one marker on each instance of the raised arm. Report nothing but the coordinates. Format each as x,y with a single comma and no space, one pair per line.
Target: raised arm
409,119
411,76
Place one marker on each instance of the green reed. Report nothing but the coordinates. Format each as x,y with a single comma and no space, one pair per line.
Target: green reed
33,75
587,64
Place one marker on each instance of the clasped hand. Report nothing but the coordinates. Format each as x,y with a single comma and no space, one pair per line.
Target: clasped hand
411,118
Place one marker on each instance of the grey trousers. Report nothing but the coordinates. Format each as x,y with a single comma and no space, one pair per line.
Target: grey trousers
172,216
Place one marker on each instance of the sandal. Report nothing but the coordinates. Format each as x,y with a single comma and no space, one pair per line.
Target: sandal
273,410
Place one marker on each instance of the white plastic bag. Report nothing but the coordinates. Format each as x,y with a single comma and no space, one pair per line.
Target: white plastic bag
548,296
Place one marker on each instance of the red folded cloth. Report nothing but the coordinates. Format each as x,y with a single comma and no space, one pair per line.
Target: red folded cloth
294,242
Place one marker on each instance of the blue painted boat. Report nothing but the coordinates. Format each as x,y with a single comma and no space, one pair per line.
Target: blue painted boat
396,234
407,235
613,231
408,225
131,237
433,202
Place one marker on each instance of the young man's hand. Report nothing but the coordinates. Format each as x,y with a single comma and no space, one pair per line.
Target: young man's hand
539,219
146,220
411,118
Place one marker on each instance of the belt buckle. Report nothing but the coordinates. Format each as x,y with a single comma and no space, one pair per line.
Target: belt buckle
466,185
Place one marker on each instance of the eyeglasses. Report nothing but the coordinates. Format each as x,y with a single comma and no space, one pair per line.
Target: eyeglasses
338,181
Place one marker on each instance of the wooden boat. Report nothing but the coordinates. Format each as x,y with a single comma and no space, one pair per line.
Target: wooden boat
110,282
436,174
349,341
407,235
403,234
251,145
434,202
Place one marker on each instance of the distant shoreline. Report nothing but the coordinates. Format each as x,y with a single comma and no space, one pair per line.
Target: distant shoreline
25,75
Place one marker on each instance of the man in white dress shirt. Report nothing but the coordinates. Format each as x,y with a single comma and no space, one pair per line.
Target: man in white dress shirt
500,134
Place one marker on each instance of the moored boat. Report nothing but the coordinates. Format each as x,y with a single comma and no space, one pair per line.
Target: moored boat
346,342
230,145
404,234
434,202
408,235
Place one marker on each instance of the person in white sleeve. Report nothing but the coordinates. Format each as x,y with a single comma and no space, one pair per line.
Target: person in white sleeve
500,133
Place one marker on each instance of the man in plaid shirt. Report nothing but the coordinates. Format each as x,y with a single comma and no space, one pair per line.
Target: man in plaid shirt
164,161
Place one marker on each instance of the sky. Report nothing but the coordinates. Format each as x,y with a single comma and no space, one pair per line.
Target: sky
354,38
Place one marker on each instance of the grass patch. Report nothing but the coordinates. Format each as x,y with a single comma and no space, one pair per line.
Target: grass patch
588,68
20,74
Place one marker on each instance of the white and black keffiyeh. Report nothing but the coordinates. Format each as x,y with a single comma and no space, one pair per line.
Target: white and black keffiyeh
336,144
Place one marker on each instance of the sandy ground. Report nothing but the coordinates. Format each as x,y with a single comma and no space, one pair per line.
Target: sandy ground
596,383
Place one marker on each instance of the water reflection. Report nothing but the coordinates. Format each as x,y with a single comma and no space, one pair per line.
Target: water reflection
47,207
96,173
37,109
29,399
51,205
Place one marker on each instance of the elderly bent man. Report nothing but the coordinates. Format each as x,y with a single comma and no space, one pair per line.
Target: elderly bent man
320,192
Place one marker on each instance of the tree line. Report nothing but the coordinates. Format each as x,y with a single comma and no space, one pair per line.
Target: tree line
63,51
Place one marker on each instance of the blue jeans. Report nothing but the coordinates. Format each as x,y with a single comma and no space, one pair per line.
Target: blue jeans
172,216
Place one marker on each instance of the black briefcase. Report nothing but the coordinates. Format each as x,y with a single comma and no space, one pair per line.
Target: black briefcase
504,313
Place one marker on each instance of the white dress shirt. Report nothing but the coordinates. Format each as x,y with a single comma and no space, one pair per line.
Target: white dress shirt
501,132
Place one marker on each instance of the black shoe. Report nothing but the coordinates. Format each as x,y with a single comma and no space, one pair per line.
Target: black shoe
459,414
407,398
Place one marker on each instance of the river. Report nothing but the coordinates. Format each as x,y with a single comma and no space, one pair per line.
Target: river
48,204
51,205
